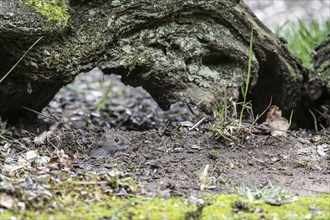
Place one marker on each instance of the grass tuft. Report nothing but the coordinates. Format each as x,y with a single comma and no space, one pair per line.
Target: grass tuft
247,82
302,38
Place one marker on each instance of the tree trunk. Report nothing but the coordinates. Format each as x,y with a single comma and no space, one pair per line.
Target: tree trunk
190,51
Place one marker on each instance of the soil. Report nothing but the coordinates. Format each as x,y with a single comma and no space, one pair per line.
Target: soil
166,155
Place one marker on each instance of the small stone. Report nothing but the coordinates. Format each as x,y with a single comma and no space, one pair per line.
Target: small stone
31,155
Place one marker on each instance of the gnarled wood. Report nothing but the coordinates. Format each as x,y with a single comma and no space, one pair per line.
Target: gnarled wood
180,50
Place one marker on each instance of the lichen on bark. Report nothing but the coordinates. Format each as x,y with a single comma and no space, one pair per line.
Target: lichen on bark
194,59
190,51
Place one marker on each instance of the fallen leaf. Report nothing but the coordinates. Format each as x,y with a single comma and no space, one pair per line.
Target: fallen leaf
276,122
6,201
61,159
320,150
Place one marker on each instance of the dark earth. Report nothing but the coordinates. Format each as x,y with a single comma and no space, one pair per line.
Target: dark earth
104,126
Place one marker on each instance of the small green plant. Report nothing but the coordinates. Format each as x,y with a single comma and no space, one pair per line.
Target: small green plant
220,128
245,90
302,38
214,153
20,59
101,103
223,125
204,178
263,195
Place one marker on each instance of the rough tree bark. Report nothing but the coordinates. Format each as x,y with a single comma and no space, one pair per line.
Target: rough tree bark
317,88
190,51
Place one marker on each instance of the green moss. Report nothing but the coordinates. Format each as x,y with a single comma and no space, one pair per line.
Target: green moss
305,207
212,207
54,10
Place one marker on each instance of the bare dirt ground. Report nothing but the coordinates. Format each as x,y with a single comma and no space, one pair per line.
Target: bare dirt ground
160,149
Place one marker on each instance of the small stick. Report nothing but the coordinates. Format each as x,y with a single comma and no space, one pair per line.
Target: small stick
90,183
52,145
198,123
259,116
225,102
191,110
315,121
39,113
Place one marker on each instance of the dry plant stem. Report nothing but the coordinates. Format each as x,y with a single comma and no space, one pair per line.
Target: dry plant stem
39,113
4,138
315,121
91,183
191,110
22,146
52,115
322,114
247,83
20,59
197,124
52,145
225,102
259,116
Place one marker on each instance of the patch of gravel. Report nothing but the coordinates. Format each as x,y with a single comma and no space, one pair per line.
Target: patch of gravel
85,102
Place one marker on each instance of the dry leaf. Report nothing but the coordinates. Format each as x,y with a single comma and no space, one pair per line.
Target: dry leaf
46,135
276,122
6,201
60,160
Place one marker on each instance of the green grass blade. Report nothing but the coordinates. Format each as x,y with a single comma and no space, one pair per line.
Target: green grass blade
247,82
13,67
303,38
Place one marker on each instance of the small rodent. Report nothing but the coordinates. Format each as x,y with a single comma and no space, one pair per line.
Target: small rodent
108,144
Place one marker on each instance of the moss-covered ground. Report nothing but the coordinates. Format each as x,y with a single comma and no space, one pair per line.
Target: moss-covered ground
214,207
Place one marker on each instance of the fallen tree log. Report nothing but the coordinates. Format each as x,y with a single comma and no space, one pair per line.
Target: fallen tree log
190,51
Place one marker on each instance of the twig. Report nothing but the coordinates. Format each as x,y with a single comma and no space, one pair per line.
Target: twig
52,115
259,116
91,183
52,145
315,121
322,114
225,102
39,113
197,124
20,59
191,110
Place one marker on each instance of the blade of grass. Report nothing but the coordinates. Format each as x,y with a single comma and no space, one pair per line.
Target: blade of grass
303,37
101,103
13,67
290,119
247,82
